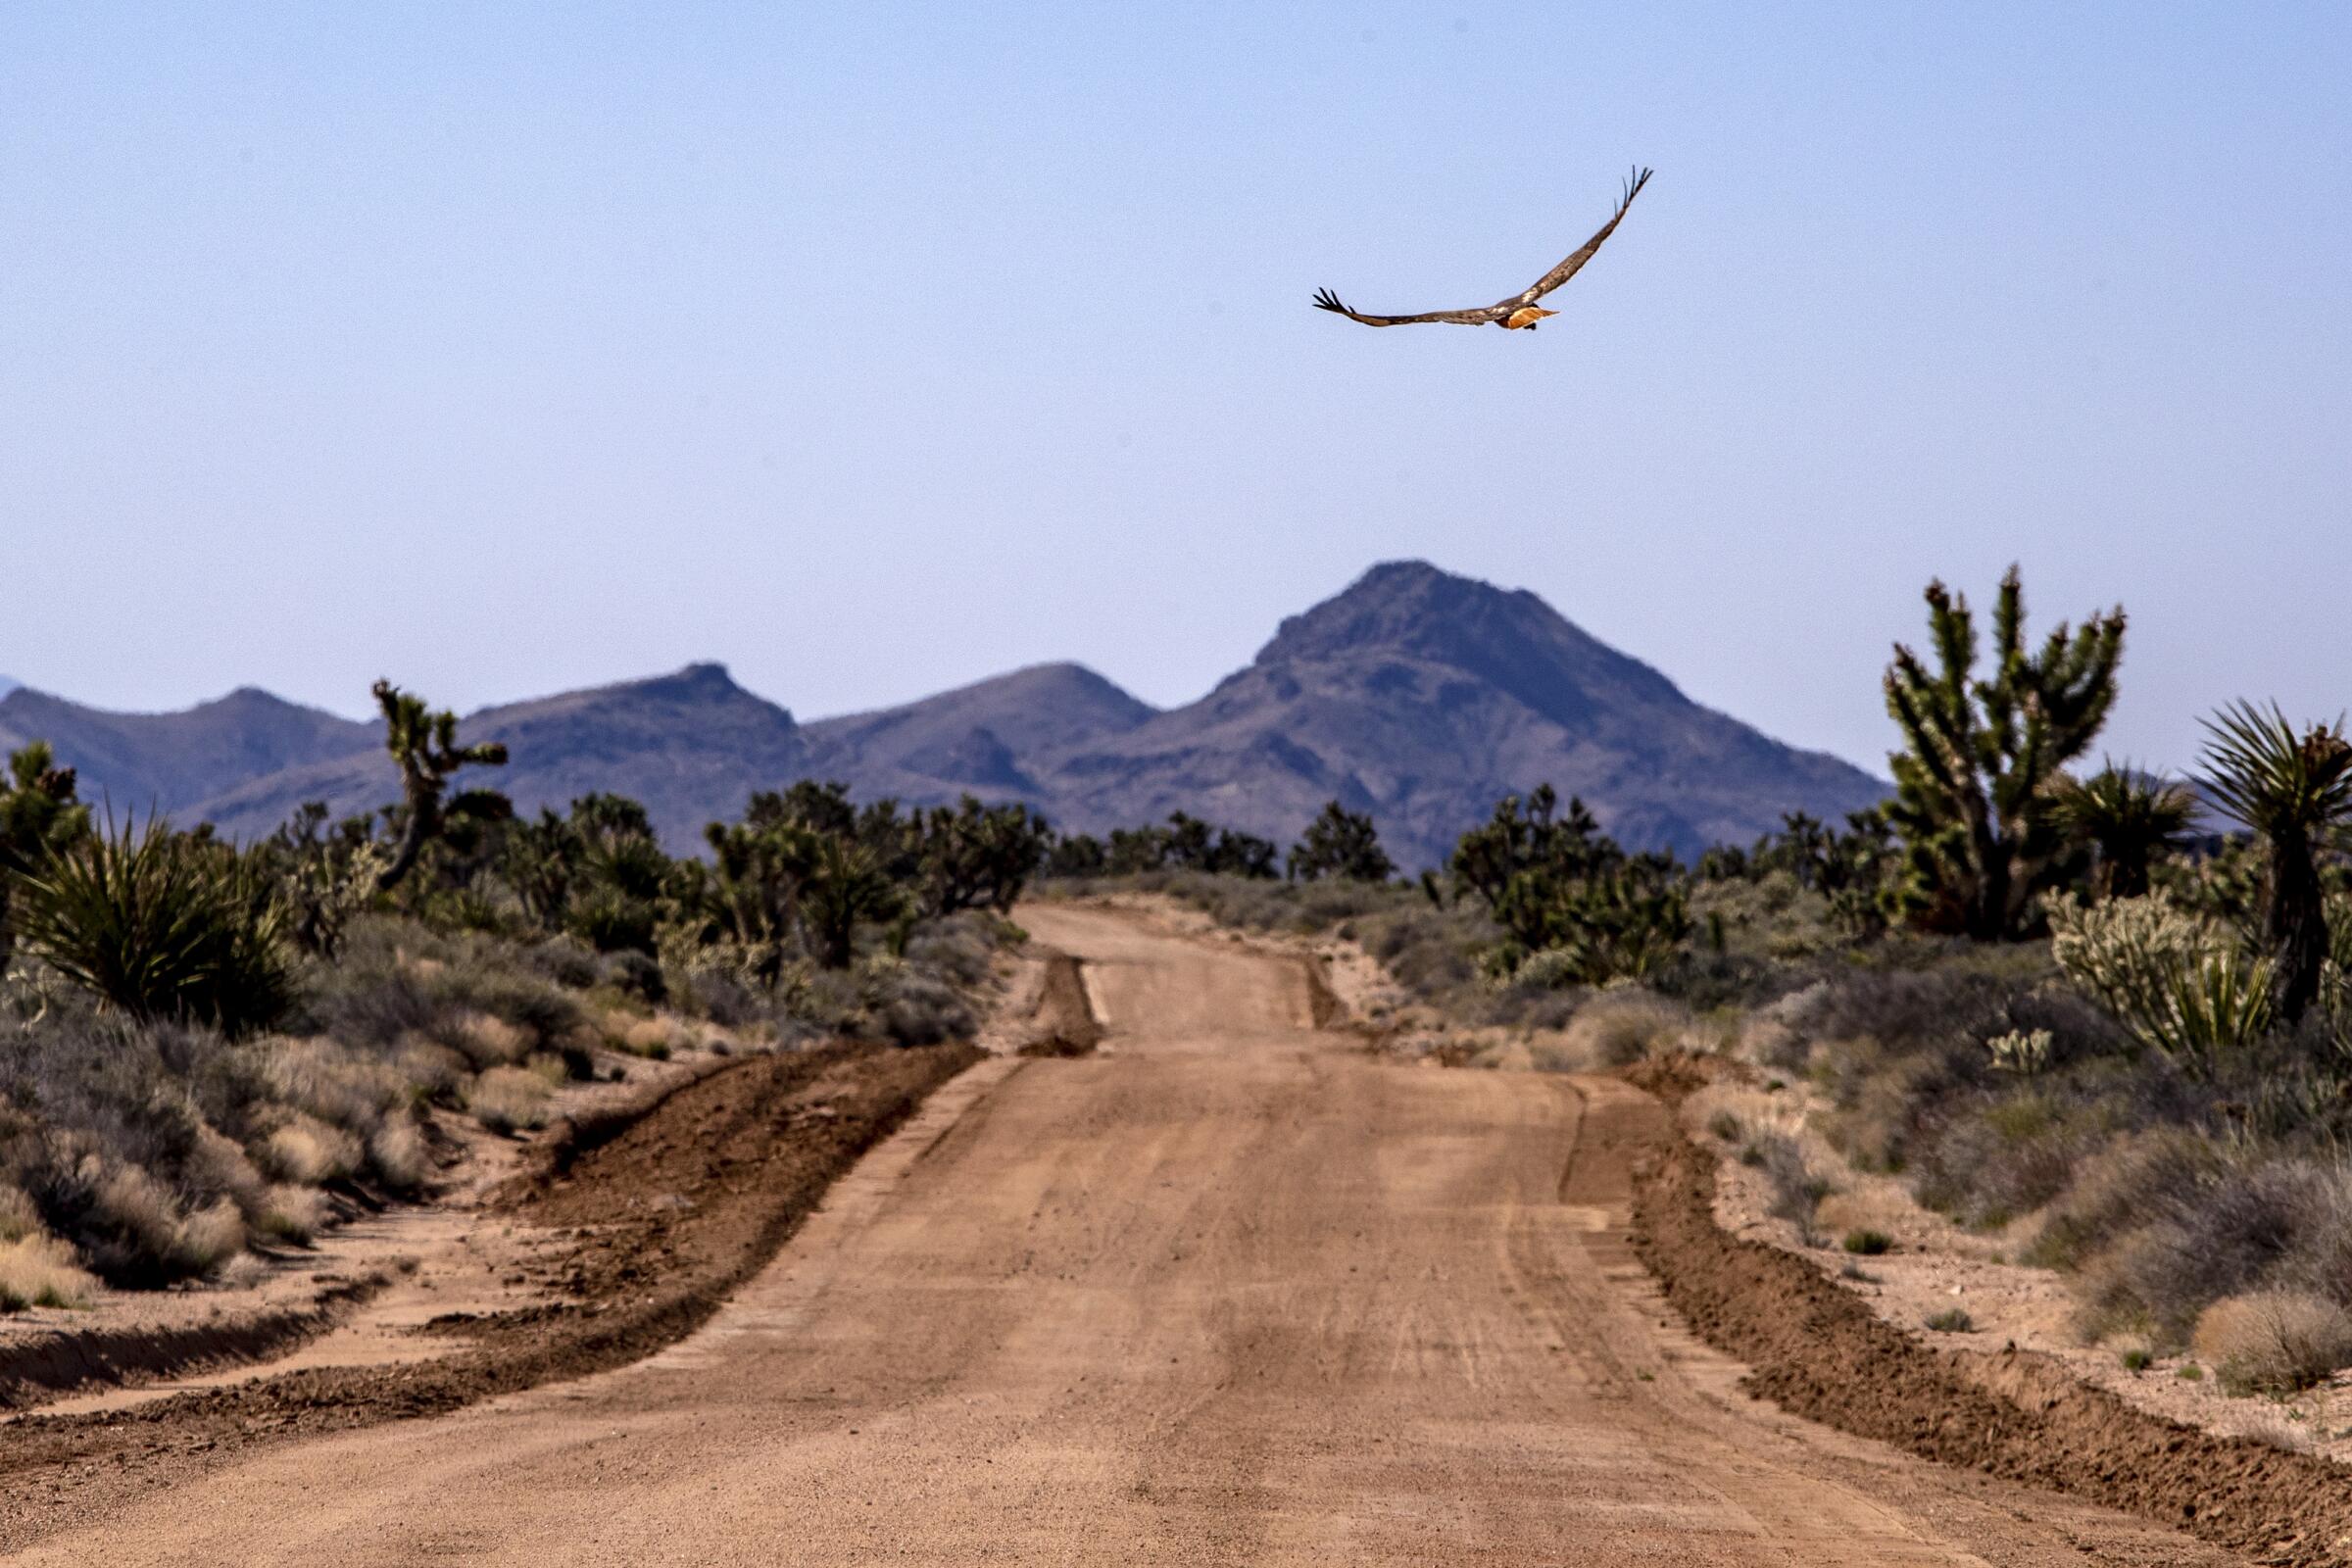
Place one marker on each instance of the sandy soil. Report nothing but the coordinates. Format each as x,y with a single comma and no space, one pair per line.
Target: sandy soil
1935,1267
1233,1289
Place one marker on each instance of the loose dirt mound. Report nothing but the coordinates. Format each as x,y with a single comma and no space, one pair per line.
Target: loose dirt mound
669,1214
1820,1352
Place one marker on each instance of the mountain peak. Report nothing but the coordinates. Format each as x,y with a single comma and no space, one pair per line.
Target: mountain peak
1508,637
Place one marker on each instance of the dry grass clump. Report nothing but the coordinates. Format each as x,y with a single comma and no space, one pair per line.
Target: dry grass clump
37,1269
1618,1028
398,1152
508,1100
656,1036
307,1151
2273,1342
291,1213
485,1040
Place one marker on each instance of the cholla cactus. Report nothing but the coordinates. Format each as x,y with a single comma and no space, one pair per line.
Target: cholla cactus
2178,984
424,743
2023,1052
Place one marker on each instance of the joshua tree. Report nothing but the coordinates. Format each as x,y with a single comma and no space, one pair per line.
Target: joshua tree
1972,780
1519,839
2130,819
1343,844
974,853
2294,791
845,887
425,744
39,816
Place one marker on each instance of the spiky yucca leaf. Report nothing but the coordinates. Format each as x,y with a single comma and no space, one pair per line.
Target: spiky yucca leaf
161,925
2274,780
2129,817
2295,792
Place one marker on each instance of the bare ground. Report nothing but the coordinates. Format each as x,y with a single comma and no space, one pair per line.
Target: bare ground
1230,1290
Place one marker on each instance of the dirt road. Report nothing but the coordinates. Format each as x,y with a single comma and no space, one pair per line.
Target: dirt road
1231,1292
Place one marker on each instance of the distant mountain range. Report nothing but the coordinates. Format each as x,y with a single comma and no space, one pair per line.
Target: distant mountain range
1414,694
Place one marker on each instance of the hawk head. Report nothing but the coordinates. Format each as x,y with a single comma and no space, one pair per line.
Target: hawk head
1525,316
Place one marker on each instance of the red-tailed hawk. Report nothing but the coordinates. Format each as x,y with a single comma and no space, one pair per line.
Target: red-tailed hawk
1520,309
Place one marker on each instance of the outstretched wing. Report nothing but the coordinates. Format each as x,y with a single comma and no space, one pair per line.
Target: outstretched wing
1569,268
1325,300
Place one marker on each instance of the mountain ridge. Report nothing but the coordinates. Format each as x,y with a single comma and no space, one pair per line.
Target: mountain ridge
1416,695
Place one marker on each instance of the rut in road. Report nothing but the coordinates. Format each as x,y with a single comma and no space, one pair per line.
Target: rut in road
1230,1291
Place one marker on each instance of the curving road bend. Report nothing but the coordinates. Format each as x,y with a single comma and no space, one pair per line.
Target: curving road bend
1231,1292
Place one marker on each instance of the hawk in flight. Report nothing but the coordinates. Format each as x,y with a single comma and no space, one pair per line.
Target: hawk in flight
1520,309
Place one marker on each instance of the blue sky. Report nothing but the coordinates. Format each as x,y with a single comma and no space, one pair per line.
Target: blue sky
875,347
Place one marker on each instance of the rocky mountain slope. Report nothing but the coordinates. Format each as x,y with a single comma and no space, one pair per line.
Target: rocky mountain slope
1416,695
138,762
692,746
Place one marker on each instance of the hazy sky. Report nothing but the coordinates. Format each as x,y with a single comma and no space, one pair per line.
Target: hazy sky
877,348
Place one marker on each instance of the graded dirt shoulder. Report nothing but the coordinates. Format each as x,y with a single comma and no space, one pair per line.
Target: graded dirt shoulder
1817,1349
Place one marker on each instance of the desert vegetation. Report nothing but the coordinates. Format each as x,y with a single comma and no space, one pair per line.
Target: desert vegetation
207,1050
2103,1014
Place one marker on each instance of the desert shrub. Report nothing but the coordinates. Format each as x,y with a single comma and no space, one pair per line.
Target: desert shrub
2157,1171
956,950
484,1039
306,1151
2273,1342
1618,1028
159,925
564,959
1953,1320
37,1269
396,981
1990,1159
1725,1126
508,1100
1868,1243
293,1214
914,1009
1795,1189
2222,1237
399,1155
657,1036
637,974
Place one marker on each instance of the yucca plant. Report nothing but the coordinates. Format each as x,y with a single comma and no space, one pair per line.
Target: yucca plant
161,925
2128,818
2294,791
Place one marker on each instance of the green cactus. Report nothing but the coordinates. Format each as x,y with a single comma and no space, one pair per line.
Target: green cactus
1972,783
